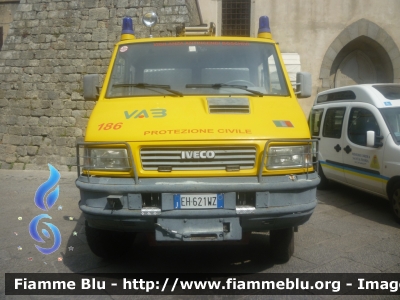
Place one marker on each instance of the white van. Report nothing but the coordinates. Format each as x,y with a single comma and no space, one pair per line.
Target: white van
359,131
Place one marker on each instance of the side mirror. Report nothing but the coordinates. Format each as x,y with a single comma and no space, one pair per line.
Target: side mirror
303,85
90,86
370,138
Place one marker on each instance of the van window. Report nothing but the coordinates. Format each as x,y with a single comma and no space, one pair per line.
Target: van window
333,122
336,96
361,120
315,121
392,118
391,92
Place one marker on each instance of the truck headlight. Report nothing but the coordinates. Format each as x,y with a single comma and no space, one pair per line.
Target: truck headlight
106,159
289,157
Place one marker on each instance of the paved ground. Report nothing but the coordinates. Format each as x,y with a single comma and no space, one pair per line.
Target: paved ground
350,231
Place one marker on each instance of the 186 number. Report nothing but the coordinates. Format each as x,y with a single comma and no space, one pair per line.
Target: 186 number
108,126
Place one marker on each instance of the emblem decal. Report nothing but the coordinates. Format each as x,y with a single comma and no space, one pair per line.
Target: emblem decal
282,123
197,154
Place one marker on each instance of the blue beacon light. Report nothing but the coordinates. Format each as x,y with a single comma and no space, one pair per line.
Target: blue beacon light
264,31
263,25
127,26
127,29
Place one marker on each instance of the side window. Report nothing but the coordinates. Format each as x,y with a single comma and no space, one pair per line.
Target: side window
361,120
274,80
333,122
315,121
119,76
392,117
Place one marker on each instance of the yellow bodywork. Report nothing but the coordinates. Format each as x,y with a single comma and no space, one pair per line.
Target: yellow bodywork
167,120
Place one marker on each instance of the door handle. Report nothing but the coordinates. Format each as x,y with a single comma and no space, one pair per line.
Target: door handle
337,148
347,149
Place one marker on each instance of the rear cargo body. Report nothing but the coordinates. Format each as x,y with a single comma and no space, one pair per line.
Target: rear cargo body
197,139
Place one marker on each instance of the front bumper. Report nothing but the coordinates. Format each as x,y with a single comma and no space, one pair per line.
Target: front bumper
280,202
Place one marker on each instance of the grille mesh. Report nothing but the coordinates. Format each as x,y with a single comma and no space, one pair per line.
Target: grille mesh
225,158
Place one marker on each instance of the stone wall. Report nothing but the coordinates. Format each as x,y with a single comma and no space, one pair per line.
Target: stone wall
51,44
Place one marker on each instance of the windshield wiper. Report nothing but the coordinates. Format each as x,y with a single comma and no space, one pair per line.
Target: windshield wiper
223,85
149,86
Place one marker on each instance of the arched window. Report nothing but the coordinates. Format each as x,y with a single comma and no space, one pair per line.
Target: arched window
358,55
363,60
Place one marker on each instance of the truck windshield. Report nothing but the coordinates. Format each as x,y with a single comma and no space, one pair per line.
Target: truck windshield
196,68
392,119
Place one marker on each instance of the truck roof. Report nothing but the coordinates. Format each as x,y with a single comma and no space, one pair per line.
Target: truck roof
378,94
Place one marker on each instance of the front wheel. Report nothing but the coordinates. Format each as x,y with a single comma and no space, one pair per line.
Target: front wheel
282,244
324,183
394,198
108,244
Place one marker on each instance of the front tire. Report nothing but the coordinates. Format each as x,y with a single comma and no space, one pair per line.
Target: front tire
394,199
108,244
282,244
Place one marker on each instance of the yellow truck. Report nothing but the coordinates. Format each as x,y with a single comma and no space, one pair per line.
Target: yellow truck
196,138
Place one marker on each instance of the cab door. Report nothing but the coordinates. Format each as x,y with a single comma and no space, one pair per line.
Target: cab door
363,165
331,143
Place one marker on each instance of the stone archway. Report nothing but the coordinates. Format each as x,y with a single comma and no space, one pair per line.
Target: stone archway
362,53
356,68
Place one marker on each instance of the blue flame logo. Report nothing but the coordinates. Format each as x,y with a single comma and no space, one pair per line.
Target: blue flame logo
45,187
45,203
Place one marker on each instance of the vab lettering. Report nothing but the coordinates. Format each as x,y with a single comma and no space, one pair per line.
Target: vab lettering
140,114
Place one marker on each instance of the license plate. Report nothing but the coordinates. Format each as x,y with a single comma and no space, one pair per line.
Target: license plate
198,201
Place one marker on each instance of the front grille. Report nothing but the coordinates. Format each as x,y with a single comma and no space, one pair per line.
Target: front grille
224,158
